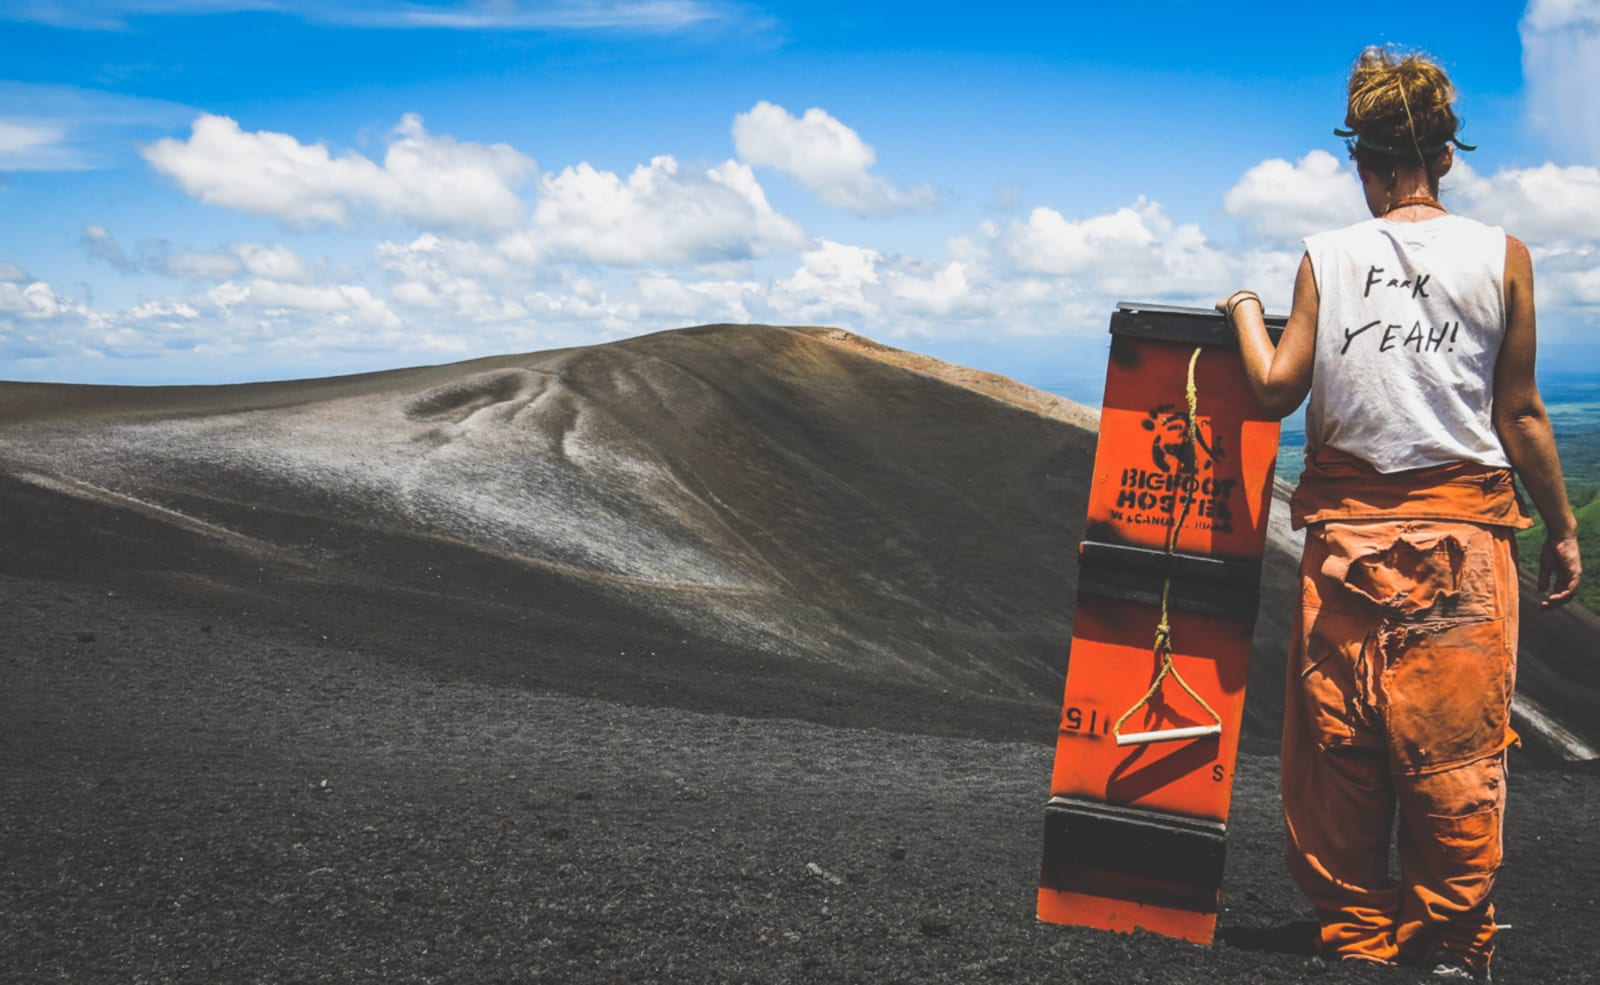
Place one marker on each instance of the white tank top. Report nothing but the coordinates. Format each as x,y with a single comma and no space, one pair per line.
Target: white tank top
1410,318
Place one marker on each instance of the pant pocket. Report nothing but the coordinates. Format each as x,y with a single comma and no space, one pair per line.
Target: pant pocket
1469,843
1446,693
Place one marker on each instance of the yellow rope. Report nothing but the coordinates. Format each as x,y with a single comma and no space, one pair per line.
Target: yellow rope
1163,643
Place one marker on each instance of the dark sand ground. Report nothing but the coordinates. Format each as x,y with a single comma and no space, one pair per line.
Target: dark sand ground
254,738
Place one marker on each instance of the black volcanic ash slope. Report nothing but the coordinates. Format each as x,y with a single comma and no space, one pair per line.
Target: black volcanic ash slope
749,519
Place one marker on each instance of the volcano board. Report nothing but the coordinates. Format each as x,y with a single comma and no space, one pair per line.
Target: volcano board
1136,825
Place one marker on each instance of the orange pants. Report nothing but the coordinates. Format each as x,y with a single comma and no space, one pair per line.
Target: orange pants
1399,697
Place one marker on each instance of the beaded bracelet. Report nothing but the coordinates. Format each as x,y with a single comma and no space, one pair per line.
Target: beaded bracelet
1239,297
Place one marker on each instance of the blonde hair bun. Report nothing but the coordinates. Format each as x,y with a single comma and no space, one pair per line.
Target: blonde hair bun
1401,106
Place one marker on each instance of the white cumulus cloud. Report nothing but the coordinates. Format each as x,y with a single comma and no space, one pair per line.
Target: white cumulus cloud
454,275
163,308
38,323
1285,201
432,257
666,298
834,279
33,300
1561,66
339,304
1050,243
1136,251
938,289
275,262
661,214
424,179
1544,204
825,156
1567,277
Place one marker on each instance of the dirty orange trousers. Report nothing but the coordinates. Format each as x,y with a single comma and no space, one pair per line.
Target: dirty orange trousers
1399,695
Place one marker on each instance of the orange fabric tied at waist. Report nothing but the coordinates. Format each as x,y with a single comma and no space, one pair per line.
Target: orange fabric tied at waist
1336,485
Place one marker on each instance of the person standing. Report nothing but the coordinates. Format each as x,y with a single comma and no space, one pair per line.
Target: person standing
1413,335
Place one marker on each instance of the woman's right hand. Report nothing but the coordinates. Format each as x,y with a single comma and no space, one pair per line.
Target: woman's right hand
1227,304
1560,569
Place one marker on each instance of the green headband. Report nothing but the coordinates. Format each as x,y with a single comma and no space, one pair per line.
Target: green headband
1368,143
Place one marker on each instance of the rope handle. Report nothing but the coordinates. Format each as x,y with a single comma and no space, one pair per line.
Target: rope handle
1162,646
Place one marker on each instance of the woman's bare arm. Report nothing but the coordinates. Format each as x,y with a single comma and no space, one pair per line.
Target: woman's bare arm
1279,376
1524,428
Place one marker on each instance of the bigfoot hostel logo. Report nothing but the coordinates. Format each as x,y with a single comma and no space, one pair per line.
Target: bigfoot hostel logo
1181,470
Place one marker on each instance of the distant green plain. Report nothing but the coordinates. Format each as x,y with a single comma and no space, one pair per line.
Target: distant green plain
1572,397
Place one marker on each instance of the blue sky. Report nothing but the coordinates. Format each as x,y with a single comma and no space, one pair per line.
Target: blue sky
225,190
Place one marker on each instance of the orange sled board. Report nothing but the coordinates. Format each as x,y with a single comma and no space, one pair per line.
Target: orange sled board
1136,826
